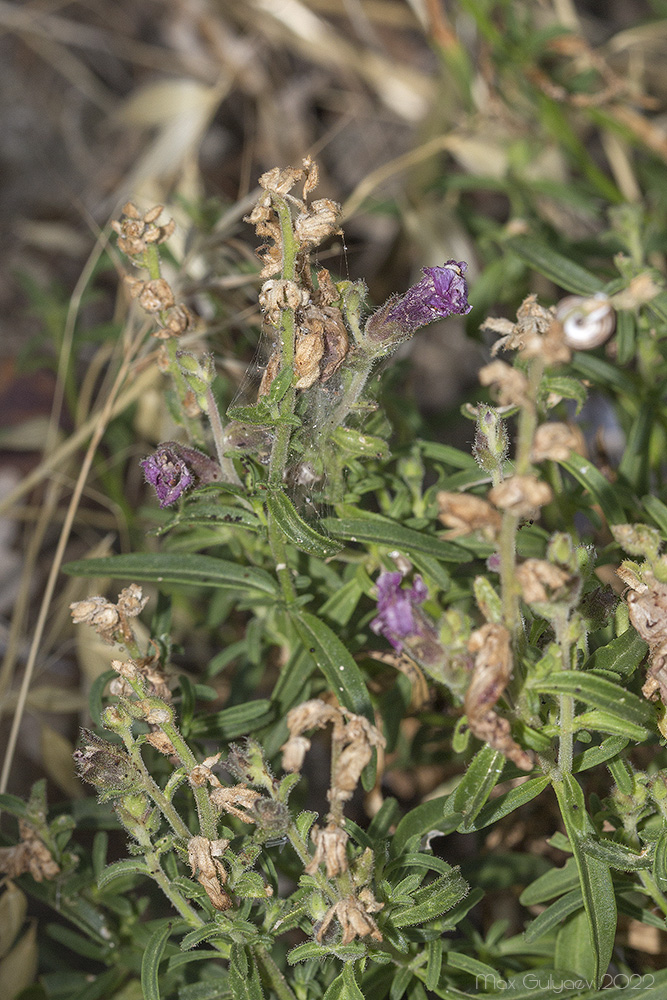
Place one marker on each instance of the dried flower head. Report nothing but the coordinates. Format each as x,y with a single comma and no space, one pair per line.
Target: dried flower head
510,386
110,620
536,333
541,581
354,917
464,513
136,231
555,441
521,495
490,645
330,849
29,855
203,857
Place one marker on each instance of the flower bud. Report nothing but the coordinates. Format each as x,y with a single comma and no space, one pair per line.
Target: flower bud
491,441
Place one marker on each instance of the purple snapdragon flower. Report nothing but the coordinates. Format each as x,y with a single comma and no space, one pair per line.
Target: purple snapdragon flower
440,293
399,616
174,468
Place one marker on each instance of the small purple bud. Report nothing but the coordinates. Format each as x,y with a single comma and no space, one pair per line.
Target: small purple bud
174,468
440,293
398,616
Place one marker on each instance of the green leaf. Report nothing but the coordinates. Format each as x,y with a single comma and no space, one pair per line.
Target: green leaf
335,661
244,979
473,790
554,914
574,948
428,903
312,950
296,530
626,337
553,265
213,514
150,962
603,374
596,884
601,489
622,655
423,819
657,511
565,387
599,692
604,722
634,466
193,570
381,531
236,721
355,443
598,755
433,964
615,855
660,862
448,455
13,804
480,970
555,882
505,804
131,866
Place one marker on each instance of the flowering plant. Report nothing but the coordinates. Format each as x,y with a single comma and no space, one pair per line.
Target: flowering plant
455,599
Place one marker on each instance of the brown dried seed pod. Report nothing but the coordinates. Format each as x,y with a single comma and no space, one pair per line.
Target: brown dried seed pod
587,321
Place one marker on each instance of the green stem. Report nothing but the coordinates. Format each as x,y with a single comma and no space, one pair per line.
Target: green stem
226,464
279,552
273,974
205,811
172,894
280,449
654,892
155,792
566,718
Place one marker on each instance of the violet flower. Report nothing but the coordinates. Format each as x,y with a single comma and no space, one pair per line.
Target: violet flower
174,468
399,616
440,293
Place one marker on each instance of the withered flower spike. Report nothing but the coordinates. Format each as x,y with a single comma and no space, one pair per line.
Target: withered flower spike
209,872
354,919
29,855
330,844
491,673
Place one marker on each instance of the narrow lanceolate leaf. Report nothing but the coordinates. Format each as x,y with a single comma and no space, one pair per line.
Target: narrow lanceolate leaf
660,862
230,723
195,570
381,531
150,962
120,869
555,882
555,266
600,488
335,661
297,531
422,819
475,786
616,855
622,655
428,903
505,804
594,876
597,691
554,914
